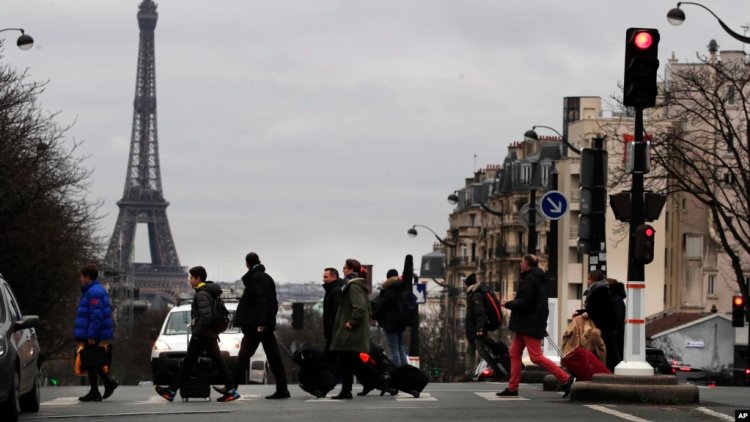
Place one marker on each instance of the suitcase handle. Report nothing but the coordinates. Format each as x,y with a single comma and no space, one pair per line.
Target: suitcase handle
554,346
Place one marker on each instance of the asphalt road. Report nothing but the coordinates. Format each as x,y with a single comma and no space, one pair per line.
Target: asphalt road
439,402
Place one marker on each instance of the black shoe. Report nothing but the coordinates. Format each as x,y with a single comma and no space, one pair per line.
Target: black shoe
507,393
414,393
315,392
566,387
344,395
365,391
279,395
91,396
109,389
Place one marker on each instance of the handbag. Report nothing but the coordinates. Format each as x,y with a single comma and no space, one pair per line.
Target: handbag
93,357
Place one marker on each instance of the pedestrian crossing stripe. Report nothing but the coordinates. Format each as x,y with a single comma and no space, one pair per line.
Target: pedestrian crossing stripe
408,397
491,396
61,401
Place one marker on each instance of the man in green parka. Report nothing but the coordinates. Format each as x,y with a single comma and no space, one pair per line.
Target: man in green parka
352,325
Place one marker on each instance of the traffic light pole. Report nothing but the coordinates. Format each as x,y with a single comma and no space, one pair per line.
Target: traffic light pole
634,359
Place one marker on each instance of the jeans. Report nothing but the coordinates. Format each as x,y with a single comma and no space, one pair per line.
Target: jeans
534,346
396,348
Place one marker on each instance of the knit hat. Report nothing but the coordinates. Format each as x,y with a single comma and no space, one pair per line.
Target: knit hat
471,279
391,273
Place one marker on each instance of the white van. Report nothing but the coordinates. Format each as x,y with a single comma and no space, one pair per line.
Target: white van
171,346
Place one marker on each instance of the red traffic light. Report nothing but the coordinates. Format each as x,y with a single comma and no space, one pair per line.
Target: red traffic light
738,301
649,232
643,40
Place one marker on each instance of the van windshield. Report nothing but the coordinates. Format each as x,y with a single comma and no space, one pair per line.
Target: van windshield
177,323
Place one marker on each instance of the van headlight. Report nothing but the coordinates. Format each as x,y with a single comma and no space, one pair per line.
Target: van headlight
3,345
230,344
160,346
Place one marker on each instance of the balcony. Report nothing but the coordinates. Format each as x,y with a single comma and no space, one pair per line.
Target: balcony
462,261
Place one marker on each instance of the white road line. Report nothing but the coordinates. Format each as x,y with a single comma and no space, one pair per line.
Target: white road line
408,397
61,401
715,414
152,400
491,396
324,400
626,416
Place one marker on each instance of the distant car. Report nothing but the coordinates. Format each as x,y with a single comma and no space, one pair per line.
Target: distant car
171,346
657,359
20,384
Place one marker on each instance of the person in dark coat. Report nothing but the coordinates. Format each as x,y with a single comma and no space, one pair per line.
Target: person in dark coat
256,314
617,290
94,328
599,309
352,325
204,338
476,322
332,285
528,319
387,310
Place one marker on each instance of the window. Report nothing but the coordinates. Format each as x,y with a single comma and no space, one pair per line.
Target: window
693,246
731,95
545,174
15,312
712,284
526,173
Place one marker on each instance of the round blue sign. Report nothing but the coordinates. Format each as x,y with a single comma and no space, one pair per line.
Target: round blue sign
554,205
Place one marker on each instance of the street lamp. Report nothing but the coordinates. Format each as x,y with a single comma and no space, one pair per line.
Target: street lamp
24,42
453,200
412,232
676,17
531,134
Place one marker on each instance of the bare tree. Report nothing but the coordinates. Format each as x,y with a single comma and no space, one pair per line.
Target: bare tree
46,223
703,148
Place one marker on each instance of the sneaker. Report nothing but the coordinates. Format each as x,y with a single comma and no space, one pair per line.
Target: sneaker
344,395
279,395
223,390
231,395
507,393
92,395
165,392
109,389
566,387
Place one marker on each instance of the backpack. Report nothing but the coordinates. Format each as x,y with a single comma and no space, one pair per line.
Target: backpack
492,309
409,305
220,316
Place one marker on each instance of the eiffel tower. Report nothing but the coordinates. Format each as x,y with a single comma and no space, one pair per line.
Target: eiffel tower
143,201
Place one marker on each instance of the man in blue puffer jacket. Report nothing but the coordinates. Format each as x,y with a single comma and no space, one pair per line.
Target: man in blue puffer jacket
93,327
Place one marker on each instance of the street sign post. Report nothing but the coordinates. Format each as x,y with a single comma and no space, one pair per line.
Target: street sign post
554,205
523,215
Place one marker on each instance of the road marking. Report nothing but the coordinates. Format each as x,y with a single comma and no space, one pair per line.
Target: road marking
61,401
151,400
492,396
324,400
715,414
408,397
626,416
109,415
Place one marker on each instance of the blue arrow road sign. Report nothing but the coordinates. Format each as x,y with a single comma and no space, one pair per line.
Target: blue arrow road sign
554,205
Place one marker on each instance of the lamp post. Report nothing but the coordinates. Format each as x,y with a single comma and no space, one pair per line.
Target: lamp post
412,232
24,42
676,17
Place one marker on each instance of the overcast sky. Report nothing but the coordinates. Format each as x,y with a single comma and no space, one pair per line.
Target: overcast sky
314,131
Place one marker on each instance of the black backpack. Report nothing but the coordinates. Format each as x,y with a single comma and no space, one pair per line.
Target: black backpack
220,316
492,309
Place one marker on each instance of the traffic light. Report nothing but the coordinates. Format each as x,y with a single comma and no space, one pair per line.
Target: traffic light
593,200
298,316
641,65
738,311
644,244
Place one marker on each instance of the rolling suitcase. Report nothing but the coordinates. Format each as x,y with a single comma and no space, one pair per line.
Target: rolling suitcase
583,364
315,376
500,353
198,383
409,379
